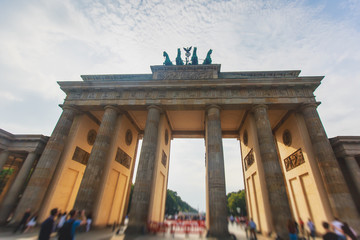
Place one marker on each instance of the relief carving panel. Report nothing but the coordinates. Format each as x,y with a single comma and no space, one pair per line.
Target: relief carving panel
249,159
294,160
123,158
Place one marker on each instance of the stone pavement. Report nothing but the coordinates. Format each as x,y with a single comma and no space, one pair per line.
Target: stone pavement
107,234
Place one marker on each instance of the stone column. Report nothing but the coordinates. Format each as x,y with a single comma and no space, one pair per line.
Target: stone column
11,197
4,155
354,171
45,168
341,202
140,202
98,166
275,185
217,215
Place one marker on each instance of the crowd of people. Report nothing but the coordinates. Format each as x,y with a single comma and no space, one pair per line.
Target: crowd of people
336,230
62,223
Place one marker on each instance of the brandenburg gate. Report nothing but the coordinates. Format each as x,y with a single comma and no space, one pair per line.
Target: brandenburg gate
289,167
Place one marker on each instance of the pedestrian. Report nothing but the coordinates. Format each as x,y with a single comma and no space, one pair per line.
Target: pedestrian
292,229
349,231
252,226
31,223
67,232
23,222
88,222
301,223
337,227
329,235
247,227
48,226
62,220
311,229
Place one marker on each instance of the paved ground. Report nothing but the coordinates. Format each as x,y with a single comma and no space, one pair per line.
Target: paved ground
107,234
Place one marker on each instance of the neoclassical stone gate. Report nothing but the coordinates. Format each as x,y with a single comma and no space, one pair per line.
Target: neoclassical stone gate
289,167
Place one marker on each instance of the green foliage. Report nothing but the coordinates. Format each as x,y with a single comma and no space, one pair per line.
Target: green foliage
236,200
174,204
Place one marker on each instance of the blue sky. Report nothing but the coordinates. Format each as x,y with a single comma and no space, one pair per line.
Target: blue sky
42,42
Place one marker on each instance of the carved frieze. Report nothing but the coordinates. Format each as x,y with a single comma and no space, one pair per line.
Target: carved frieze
123,158
294,160
249,159
203,93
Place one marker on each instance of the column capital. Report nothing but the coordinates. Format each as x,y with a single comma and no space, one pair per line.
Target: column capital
255,107
156,107
308,105
113,107
208,107
70,107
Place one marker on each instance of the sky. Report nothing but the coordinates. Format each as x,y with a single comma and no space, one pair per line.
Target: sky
42,42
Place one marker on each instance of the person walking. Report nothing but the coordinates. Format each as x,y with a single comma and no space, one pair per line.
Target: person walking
252,226
67,232
337,226
292,229
62,220
311,229
23,222
31,223
329,235
349,231
47,227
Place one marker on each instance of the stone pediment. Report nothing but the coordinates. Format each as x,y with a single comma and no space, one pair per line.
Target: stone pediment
186,72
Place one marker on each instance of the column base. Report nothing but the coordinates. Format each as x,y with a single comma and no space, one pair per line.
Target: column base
135,230
220,236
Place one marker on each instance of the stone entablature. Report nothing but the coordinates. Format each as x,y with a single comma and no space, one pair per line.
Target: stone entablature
192,85
22,142
346,146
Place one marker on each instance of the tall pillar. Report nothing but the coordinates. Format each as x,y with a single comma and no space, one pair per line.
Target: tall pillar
340,199
216,195
140,202
11,197
354,171
4,155
279,203
99,163
45,168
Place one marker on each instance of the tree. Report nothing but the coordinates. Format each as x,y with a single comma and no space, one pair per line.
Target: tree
235,201
174,204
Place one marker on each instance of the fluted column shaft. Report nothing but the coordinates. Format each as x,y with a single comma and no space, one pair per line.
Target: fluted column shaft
217,215
279,203
99,163
140,202
4,155
40,179
340,199
354,171
11,197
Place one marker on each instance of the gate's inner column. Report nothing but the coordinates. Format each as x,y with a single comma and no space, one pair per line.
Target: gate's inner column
148,200
216,216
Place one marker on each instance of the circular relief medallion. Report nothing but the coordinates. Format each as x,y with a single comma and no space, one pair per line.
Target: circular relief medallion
245,138
91,137
128,137
287,137
166,137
